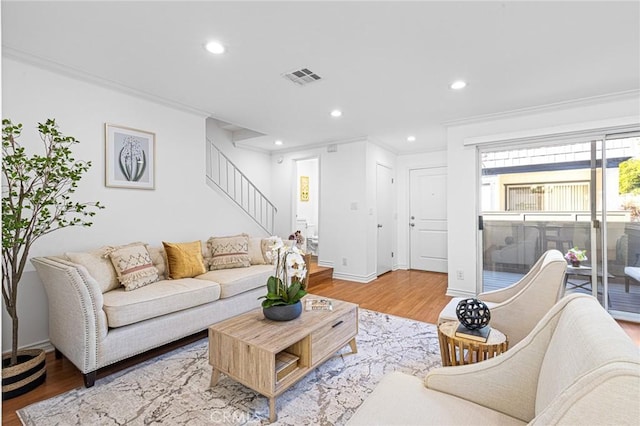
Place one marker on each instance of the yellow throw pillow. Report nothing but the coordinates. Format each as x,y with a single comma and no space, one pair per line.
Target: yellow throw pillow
184,259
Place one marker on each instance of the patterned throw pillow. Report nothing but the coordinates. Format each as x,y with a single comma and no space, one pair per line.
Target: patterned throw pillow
184,259
134,266
229,252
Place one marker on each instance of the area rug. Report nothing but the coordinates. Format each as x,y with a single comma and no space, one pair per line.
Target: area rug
173,389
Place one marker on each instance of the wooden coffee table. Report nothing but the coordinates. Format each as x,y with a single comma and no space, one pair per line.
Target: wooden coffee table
269,356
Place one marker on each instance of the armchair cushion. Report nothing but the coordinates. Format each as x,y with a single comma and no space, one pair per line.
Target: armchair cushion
420,404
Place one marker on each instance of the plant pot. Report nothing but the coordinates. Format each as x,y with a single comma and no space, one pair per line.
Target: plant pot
283,312
575,263
29,373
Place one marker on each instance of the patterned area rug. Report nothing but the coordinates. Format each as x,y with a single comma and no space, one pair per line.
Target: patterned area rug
173,388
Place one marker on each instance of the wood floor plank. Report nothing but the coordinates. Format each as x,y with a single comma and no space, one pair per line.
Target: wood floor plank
411,294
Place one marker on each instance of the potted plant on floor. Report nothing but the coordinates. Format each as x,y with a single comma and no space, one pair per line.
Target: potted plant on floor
287,286
36,200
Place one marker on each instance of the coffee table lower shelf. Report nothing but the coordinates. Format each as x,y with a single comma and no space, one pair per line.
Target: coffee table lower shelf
270,356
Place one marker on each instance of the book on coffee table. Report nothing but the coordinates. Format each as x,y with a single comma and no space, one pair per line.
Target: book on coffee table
319,305
479,334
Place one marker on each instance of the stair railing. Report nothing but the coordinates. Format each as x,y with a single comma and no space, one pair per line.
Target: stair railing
226,176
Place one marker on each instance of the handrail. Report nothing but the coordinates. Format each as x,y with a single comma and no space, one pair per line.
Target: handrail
227,177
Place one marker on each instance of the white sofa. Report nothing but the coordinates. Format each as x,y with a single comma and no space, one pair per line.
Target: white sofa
94,328
576,367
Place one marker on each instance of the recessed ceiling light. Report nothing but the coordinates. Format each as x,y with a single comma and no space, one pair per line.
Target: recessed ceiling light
411,138
336,113
215,47
457,85
278,142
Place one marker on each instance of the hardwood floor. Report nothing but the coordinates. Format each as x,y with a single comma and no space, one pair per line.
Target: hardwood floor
411,294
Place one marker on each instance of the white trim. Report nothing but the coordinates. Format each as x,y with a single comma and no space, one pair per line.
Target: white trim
82,75
459,293
571,132
43,344
581,102
356,278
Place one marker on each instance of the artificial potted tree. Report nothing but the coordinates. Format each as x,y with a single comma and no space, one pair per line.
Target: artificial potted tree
36,200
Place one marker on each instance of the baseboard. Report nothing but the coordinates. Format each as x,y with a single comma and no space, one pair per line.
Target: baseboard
400,266
459,293
325,264
355,278
45,345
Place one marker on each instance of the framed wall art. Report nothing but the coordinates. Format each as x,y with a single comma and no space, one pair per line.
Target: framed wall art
130,157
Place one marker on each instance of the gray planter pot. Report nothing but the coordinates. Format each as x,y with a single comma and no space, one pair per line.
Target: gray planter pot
283,312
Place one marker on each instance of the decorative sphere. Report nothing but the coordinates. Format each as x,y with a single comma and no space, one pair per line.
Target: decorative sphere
473,314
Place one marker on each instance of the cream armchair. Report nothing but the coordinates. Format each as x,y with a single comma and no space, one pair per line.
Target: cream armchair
516,309
576,367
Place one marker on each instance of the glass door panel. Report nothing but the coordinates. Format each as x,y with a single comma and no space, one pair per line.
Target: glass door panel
563,197
620,288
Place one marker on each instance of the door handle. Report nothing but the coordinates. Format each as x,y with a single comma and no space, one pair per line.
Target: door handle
379,226
412,225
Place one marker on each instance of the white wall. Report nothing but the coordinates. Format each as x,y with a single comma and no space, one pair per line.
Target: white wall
463,173
347,208
181,208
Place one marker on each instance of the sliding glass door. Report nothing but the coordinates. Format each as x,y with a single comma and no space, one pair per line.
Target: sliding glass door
580,196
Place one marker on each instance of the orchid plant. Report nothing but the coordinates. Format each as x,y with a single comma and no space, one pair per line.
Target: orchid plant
576,255
288,285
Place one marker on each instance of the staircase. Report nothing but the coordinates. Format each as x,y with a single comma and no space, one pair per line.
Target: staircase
222,174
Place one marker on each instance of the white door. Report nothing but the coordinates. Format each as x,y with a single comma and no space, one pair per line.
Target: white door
428,219
384,207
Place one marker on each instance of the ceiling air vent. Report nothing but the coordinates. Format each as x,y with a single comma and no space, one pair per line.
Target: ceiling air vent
302,76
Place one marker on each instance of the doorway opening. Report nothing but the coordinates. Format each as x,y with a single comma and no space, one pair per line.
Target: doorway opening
306,205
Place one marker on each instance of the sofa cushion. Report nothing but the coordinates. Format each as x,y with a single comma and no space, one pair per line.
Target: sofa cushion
239,280
229,252
402,399
184,260
156,299
133,266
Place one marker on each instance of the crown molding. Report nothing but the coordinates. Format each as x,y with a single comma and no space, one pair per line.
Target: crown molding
79,74
581,102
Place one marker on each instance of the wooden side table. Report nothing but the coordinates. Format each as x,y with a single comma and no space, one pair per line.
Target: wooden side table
459,350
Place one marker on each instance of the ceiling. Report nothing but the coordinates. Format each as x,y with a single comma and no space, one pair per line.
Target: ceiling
386,65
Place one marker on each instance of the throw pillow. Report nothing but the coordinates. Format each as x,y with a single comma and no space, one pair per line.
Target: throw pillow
159,259
229,252
255,251
269,258
184,259
134,266
99,267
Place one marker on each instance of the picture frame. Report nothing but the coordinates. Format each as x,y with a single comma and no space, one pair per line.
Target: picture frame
129,157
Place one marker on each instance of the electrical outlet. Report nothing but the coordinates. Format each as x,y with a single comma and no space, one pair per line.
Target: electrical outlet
344,261
460,274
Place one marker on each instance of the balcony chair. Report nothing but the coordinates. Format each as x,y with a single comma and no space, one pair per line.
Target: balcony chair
516,309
